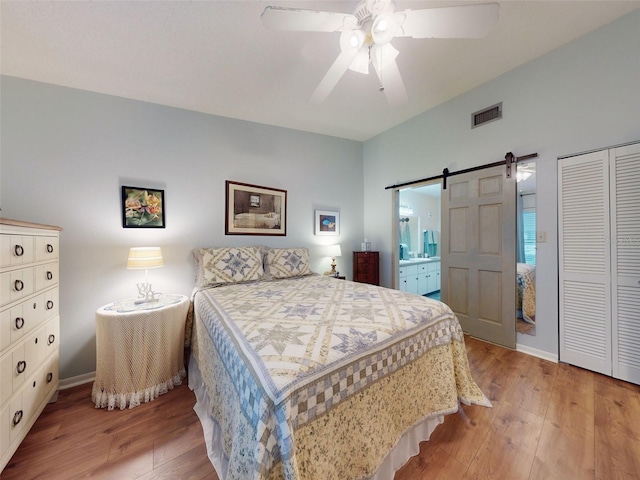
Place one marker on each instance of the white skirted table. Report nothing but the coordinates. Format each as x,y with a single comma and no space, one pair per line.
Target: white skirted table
139,351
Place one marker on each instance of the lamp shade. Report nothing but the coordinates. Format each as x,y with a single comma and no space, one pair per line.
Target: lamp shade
333,251
141,258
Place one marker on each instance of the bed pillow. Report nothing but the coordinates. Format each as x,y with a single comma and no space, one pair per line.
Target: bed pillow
216,266
288,262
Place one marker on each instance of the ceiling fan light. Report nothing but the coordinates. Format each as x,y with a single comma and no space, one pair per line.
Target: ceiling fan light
360,63
351,40
384,28
383,55
381,26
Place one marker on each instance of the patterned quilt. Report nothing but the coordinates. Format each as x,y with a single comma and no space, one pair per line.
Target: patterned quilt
526,287
314,377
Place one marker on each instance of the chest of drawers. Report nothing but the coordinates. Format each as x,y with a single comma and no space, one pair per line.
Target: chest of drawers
29,328
366,267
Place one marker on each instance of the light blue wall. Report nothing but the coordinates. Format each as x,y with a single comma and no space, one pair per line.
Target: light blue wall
65,153
583,96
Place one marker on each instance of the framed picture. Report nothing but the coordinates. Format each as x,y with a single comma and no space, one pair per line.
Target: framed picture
327,222
255,210
142,208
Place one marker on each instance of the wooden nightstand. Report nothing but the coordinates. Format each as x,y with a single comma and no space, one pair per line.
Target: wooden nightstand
139,351
366,267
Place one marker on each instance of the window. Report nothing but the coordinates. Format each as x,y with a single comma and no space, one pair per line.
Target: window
529,233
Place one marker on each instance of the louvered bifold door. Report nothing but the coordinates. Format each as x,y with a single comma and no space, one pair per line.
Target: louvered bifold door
625,261
584,261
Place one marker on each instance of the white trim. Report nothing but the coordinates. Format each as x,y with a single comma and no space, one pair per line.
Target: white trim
77,380
536,352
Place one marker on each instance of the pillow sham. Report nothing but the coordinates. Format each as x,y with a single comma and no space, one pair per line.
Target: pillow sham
216,266
287,262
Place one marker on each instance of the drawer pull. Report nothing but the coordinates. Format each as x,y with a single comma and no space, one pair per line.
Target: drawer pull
17,418
49,248
49,275
19,323
51,339
18,285
49,304
21,366
18,250
49,377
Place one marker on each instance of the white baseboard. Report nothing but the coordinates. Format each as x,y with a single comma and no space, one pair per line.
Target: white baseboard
536,353
77,380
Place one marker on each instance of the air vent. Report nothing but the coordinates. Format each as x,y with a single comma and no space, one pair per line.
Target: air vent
486,115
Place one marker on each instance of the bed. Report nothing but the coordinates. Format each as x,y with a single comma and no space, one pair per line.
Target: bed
304,376
526,292
256,220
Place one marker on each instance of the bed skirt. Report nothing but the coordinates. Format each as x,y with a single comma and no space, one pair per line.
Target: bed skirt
408,445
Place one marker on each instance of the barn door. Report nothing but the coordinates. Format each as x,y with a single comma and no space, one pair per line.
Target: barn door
478,258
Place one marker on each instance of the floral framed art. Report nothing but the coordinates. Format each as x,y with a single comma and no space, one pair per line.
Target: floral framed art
142,208
327,222
255,210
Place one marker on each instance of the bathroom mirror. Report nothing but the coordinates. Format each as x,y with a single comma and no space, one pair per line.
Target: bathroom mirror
419,221
408,236
526,248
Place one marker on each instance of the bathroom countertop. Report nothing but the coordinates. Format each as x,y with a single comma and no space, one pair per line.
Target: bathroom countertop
416,261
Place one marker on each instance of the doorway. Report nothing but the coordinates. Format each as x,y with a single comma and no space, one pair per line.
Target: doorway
417,243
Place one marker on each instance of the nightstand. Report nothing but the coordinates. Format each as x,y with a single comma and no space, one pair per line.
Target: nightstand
139,351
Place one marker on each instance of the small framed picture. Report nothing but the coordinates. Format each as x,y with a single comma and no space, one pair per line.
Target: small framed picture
327,222
255,210
142,208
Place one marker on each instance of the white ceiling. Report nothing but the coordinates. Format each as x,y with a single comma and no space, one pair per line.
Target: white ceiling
216,57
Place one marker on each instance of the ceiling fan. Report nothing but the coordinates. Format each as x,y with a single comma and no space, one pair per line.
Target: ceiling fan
366,34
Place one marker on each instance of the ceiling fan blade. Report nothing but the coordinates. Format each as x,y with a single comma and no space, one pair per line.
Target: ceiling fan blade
391,82
333,76
296,20
465,21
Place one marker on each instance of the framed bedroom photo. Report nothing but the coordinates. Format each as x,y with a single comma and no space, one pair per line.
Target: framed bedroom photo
327,222
255,210
142,207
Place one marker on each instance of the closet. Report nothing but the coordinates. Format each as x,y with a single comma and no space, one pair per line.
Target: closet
599,261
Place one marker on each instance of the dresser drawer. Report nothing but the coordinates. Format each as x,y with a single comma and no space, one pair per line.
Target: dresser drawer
14,369
49,379
46,248
45,275
16,250
44,342
19,320
16,284
14,323
16,418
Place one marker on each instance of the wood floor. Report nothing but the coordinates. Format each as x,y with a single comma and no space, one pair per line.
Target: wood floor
548,421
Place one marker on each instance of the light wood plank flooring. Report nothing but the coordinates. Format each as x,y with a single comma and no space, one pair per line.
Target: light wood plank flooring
548,421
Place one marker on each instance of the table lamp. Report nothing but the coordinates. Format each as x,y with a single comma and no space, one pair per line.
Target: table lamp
145,258
333,251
